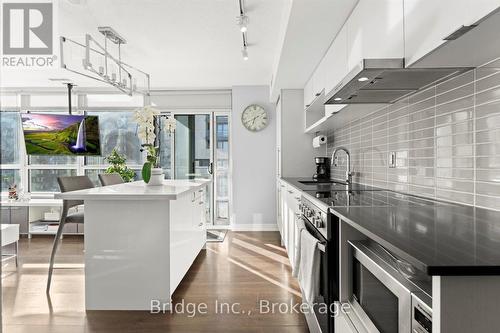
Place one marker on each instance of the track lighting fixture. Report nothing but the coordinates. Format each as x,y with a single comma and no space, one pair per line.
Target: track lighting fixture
242,22
244,53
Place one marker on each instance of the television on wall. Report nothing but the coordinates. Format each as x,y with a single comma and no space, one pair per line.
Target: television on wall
56,134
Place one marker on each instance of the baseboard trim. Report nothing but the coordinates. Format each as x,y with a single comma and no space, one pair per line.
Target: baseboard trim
254,227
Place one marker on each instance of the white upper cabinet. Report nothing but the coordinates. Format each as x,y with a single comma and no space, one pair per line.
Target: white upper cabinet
308,92
428,22
375,30
315,85
477,9
319,78
335,61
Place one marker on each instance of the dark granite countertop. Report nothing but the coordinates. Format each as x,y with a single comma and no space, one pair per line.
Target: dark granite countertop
438,237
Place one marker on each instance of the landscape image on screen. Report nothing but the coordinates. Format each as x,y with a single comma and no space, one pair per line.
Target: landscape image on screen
55,134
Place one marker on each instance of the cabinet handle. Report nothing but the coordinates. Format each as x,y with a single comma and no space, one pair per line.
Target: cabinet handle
201,203
201,191
317,94
297,198
201,224
290,191
308,105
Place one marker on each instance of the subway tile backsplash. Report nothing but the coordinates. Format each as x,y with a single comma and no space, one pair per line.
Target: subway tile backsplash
446,140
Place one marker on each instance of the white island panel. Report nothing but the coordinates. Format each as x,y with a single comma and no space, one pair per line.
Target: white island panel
127,254
140,241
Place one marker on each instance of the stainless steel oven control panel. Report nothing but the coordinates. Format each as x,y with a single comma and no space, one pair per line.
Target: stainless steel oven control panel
314,214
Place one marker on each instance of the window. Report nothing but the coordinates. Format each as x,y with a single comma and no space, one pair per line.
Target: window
9,177
38,173
117,130
10,131
45,180
166,151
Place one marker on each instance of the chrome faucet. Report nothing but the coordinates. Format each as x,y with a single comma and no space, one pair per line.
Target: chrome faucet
348,173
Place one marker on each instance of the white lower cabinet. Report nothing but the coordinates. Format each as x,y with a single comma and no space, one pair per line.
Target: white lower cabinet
187,233
283,213
288,212
293,200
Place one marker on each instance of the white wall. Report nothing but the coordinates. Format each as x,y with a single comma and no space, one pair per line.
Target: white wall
254,169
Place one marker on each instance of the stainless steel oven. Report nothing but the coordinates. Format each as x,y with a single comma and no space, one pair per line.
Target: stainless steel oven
316,220
387,294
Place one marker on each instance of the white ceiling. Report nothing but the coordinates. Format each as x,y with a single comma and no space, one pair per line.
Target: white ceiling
182,44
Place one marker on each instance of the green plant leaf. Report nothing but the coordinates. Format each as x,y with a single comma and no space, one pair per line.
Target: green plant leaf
146,172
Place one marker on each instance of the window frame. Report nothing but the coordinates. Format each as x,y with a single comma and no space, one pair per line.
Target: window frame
80,107
84,166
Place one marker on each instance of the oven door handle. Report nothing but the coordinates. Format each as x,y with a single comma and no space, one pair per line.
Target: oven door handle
321,244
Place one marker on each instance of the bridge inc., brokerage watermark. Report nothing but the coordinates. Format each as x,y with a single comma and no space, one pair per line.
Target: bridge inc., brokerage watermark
263,306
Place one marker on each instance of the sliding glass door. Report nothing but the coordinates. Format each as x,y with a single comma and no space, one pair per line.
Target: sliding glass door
200,149
193,146
221,170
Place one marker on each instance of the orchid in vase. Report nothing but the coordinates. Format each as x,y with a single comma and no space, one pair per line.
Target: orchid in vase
147,118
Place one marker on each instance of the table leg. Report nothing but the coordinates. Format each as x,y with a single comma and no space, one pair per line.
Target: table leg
17,252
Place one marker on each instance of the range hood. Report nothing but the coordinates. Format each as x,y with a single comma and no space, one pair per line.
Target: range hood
386,81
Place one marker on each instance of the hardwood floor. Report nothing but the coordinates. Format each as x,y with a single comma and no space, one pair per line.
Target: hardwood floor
247,268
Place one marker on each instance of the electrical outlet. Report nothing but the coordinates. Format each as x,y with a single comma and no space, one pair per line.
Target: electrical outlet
392,159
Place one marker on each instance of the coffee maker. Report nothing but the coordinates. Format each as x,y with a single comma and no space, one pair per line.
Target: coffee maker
322,168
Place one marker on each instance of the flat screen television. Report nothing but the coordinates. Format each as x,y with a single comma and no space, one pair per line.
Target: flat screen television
56,134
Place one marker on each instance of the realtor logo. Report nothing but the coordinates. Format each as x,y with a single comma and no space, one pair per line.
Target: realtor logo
27,28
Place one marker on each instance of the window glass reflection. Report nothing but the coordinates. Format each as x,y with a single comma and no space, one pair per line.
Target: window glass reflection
10,127
118,130
45,180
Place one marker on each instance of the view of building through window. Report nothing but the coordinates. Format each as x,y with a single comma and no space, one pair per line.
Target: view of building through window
199,148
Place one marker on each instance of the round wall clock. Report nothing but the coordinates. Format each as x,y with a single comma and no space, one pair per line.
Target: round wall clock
254,118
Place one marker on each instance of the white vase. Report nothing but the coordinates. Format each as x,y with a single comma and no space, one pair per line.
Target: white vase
156,177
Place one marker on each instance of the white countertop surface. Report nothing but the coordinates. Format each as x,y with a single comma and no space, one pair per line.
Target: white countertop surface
138,190
41,202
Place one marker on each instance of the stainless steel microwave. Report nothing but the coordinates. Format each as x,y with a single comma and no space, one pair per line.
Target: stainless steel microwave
387,294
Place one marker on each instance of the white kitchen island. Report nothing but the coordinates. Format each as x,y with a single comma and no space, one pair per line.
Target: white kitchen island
140,241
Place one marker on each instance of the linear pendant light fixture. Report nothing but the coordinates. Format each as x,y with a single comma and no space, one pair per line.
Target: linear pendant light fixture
98,63
242,22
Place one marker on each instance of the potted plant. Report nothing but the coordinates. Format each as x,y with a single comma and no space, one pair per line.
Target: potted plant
118,166
146,118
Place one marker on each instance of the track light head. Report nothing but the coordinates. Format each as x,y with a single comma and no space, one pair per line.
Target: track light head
244,53
242,22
